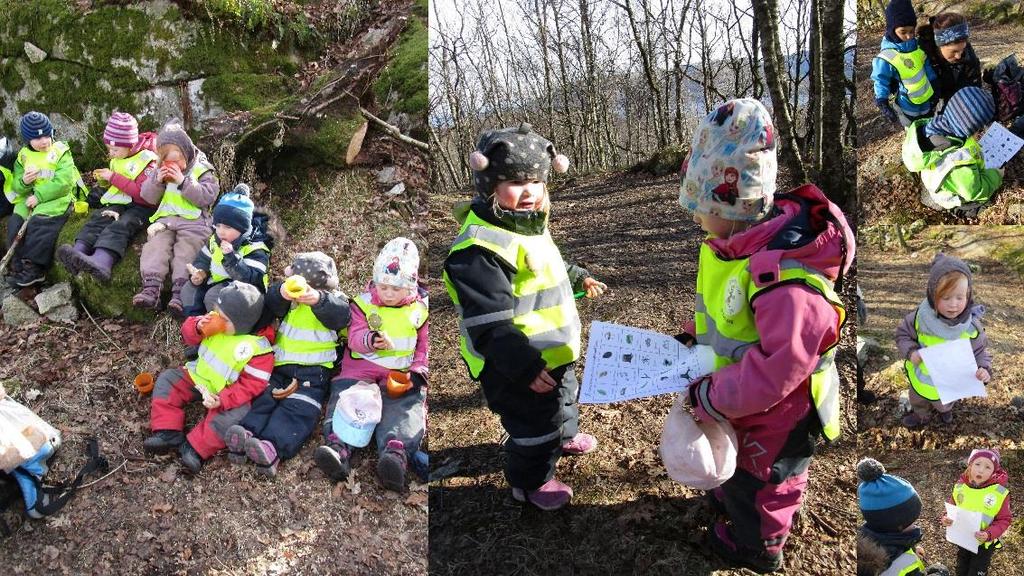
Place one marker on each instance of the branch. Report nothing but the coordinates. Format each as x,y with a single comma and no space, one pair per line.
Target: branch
393,130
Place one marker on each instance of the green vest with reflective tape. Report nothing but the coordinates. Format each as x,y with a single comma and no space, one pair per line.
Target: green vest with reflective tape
724,320
174,203
222,358
217,270
543,306
302,339
969,154
46,163
918,375
910,67
904,564
400,323
130,168
987,500
8,177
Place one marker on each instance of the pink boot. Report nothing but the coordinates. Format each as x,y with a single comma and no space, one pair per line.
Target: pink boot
550,496
580,444
149,297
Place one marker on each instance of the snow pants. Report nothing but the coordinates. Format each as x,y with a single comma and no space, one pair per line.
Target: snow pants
172,249
173,390
288,422
104,232
403,418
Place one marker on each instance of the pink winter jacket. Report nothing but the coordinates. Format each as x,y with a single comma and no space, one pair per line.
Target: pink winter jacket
359,341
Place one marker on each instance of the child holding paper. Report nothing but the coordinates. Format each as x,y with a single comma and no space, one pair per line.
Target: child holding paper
947,312
767,306
982,488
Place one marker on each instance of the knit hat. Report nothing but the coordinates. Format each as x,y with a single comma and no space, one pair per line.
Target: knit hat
992,455
357,413
898,13
242,304
397,264
511,154
888,503
235,209
35,124
122,130
317,268
730,170
942,265
174,133
967,112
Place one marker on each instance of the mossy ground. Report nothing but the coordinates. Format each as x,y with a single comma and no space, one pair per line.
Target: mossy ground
404,80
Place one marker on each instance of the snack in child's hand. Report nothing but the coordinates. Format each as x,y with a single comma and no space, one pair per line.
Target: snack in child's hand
282,393
295,286
398,383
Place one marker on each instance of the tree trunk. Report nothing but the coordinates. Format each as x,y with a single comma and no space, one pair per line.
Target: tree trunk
833,179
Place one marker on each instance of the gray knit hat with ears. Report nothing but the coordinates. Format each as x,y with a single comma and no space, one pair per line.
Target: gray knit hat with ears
511,154
317,268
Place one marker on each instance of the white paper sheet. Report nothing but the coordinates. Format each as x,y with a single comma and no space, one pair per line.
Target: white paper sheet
951,366
965,524
624,363
999,145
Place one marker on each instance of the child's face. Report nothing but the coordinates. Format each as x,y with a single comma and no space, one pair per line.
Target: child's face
981,470
41,144
227,233
229,327
117,151
953,52
392,295
953,302
174,157
717,226
521,194
905,33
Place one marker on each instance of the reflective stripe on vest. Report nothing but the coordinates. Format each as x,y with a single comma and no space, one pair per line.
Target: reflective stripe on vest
222,358
217,270
918,375
9,192
543,305
967,155
174,203
47,162
302,339
910,67
400,324
987,500
724,320
130,168
904,564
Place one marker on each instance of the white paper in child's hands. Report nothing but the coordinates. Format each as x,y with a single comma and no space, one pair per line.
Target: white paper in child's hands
998,145
965,524
952,368
624,363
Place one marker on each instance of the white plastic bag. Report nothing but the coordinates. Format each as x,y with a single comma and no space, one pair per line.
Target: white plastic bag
22,433
700,455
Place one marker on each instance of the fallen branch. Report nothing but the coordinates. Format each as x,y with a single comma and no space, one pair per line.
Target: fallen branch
393,130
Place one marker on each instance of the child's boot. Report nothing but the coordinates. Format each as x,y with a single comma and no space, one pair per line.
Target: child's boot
333,460
13,270
263,453
391,466
580,444
912,420
149,296
175,306
31,274
235,438
163,441
552,495
68,257
190,458
760,561
100,264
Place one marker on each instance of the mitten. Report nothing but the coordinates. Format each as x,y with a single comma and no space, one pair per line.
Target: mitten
886,110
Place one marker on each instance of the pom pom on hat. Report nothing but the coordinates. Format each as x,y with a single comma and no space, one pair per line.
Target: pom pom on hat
888,503
869,470
477,161
560,164
35,125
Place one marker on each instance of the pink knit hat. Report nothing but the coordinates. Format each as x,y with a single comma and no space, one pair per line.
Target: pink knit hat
122,130
992,455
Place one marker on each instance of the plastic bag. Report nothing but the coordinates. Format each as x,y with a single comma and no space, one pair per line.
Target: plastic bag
701,455
22,433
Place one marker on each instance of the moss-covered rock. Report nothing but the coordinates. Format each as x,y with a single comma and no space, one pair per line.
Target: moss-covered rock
402,85
664,161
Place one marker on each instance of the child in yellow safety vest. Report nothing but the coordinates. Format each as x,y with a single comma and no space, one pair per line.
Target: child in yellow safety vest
902,71
120,211
946,313
388,345
982,487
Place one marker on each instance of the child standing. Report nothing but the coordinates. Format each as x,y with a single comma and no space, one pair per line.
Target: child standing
520,332
767,306
305,353
946,40
388,339
982,487
947,313
890,507
121,211
944,150
902,68
184,189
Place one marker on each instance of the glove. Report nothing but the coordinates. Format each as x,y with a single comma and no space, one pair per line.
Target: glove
886,110
418,380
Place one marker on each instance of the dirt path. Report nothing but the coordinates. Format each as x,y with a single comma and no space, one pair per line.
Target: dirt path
627,516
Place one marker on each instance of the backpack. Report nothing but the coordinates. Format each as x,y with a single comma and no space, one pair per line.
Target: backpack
1007,82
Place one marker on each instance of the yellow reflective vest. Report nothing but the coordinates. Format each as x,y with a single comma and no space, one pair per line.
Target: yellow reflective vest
174,203
219,273
223,357
47,162
130,168
987,500
918,375
302,339
910,67
905,564
400,324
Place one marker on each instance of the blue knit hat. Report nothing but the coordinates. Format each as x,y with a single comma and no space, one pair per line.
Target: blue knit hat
235,209
967,112
35,124
899,13
888,503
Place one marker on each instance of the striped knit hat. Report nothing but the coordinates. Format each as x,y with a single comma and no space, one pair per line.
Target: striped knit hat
235,209
34,125
888,503
122,130
967,112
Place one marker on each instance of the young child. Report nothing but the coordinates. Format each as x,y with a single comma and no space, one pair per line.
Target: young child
944,150
185,187
8,154
890,507
982,487
288,410
946,40
767,306
233,368
237,250
121,212
44,183
387,339
520,332
902,68
947,312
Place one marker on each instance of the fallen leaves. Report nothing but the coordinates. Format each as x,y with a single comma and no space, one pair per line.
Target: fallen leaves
161,508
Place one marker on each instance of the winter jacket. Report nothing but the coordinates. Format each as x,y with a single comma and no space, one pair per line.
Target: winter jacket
1001,523
887,79
54,194
359,341
893,546
252,380
203,193
253,267
967,181
133,188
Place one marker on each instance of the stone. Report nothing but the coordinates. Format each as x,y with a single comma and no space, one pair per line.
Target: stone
388,176
55,296
865,346
396,190
67,313
35,53
17,312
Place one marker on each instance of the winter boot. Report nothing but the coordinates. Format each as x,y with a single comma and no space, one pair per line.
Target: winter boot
552,495
391,466
235,438
31,275
99,264
263,453
68,257
175,305
333,460
190,458
760,561
13,270
149,297
579,444
163,441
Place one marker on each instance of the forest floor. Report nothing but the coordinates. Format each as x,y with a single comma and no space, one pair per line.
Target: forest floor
627,516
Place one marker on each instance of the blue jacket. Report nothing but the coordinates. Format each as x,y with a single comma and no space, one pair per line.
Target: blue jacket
887,80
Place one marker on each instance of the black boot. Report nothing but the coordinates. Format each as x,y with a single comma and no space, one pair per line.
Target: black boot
163,441
333,460
31,274
190,458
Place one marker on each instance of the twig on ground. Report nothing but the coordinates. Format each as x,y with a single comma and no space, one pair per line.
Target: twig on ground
111,340
104,477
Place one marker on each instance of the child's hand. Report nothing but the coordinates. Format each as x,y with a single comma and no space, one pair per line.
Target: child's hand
983,375
211,401
981,536
686,339
155,228
31,202
593,287
110,214
196,276
543,383
380,341
226,247
946,520
1001,170
915,358
171,173
311,297
30,175
103,174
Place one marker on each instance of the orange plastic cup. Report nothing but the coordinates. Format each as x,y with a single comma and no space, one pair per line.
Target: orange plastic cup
214,324
144,382
398,383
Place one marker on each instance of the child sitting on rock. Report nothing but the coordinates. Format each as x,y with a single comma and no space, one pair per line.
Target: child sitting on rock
233,368
185,187
312,312
982,487
120,212
387,346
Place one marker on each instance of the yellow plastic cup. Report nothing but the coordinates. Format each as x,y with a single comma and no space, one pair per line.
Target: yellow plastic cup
81,207
295,286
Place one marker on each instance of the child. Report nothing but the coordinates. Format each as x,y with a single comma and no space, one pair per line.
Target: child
387,338
943,149
890,507
121,211
946,313
184,188
8,154
945,38
520,332
237,250
288,410
232,369
44,184
902,68
766,305
982,487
